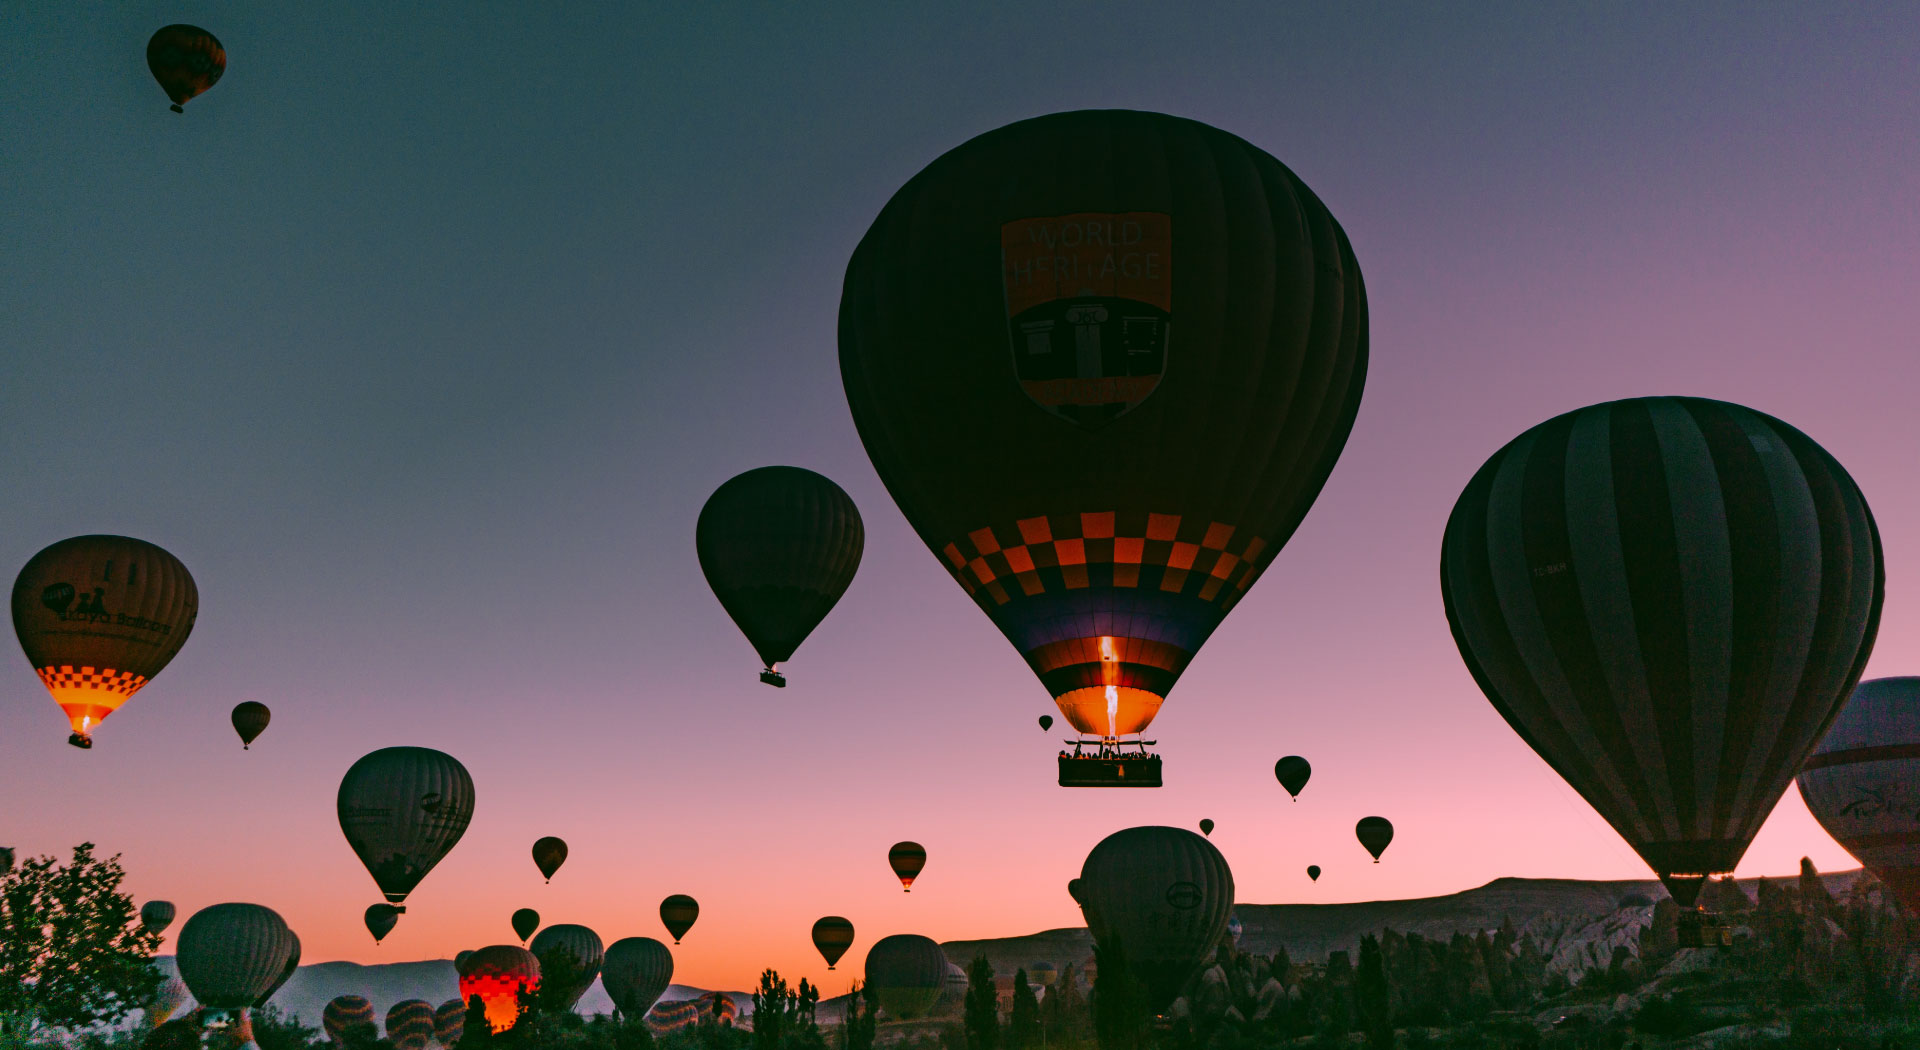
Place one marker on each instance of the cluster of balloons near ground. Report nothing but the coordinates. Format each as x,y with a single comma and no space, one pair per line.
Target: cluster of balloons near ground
1670,599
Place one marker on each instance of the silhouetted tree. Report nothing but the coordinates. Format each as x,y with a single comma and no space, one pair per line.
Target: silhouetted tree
982,1010
72,953
1023,1027
1120,1010
1370,996
273,1030
476,1031
857,1032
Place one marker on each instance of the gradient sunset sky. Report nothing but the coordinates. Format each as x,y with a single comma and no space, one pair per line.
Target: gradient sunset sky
422,338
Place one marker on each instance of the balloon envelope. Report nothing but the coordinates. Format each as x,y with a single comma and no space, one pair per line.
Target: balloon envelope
1161,895
677,913
98,617
250,719
1043,974
156,916
168,996
344,1012
186,61
548,854
1862,783
1668,598
779,545
410,1024
1046,722
636,974
460,959
1313,872
380,920
571,950
525,921
1104,492
1293,773
498,974
1374,833
286,974
832,936
229,954
449,1023
1206,827
906,859
906,972
402,809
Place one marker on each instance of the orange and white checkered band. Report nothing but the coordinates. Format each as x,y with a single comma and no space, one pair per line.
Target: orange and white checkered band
1164,552
66,676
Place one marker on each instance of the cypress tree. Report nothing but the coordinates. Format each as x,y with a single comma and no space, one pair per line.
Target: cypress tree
1023,1030
982,1013
1370,994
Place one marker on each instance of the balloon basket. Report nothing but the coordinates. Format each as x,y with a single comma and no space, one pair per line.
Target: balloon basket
774,679
1697,929
1111,769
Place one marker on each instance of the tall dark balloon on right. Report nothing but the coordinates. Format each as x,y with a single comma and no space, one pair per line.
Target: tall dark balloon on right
1104,362
1863,783
1668,598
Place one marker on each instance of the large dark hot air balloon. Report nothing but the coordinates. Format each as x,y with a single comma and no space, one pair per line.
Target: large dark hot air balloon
1863,783
402,809
636,974
779,545
250,719
156,916
1161,895
286,974
345,1012
832,936
571,952
906,972
525,921
906,859
1668,598
449,1023
98,617
677,913
229,954
1293,772
1374,834
380,920
548,854
410,1024
498,974
186,60
1105,492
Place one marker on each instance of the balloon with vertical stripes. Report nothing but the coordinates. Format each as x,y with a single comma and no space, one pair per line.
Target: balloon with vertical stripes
1668,598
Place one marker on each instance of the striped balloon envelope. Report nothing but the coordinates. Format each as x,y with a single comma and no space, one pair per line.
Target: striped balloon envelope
410,1024
344,1012
711,1008
1863,783
449,1023
1668,598
907,973
230,954
570,957
498,974
636,974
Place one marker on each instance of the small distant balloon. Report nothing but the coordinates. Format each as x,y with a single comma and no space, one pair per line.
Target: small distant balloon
906,859
548,854
250,720
1313,872
156,916
1046,723
1292,772
832,936
1374,833
1206,827
186,60
381,919
677,913
525,921
1042,974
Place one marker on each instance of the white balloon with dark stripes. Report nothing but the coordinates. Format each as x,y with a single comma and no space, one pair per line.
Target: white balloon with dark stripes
1668,598
1863,783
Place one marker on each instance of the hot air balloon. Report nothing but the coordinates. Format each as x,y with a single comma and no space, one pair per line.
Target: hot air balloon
156,916
1863,783
343,1013
525,921
1161,895
250,719
548,854
186,60
1206,827
636,974
906,859
498,974
569,953
231,953
1668,598
715,1008
677,913
286,974
380,919
98,617
460,960
410,1024
1313,872
1042,974
1374,833
1046,723
449,1023
1234,928
402,809
168,996
1104,492
1293,772
832,936
953,992
779,545
906,972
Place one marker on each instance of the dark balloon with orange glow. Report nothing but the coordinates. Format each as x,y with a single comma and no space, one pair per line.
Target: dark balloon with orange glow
498,974
548,854
250,719
906,859
186,60
677,913
1104,492
832,936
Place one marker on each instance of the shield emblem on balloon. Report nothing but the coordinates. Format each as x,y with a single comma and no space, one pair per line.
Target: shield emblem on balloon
1089,309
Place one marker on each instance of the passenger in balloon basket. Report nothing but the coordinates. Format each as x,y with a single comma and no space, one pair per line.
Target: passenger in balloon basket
1699,928
1110,762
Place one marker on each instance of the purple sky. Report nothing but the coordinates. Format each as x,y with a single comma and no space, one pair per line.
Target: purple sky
422,338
